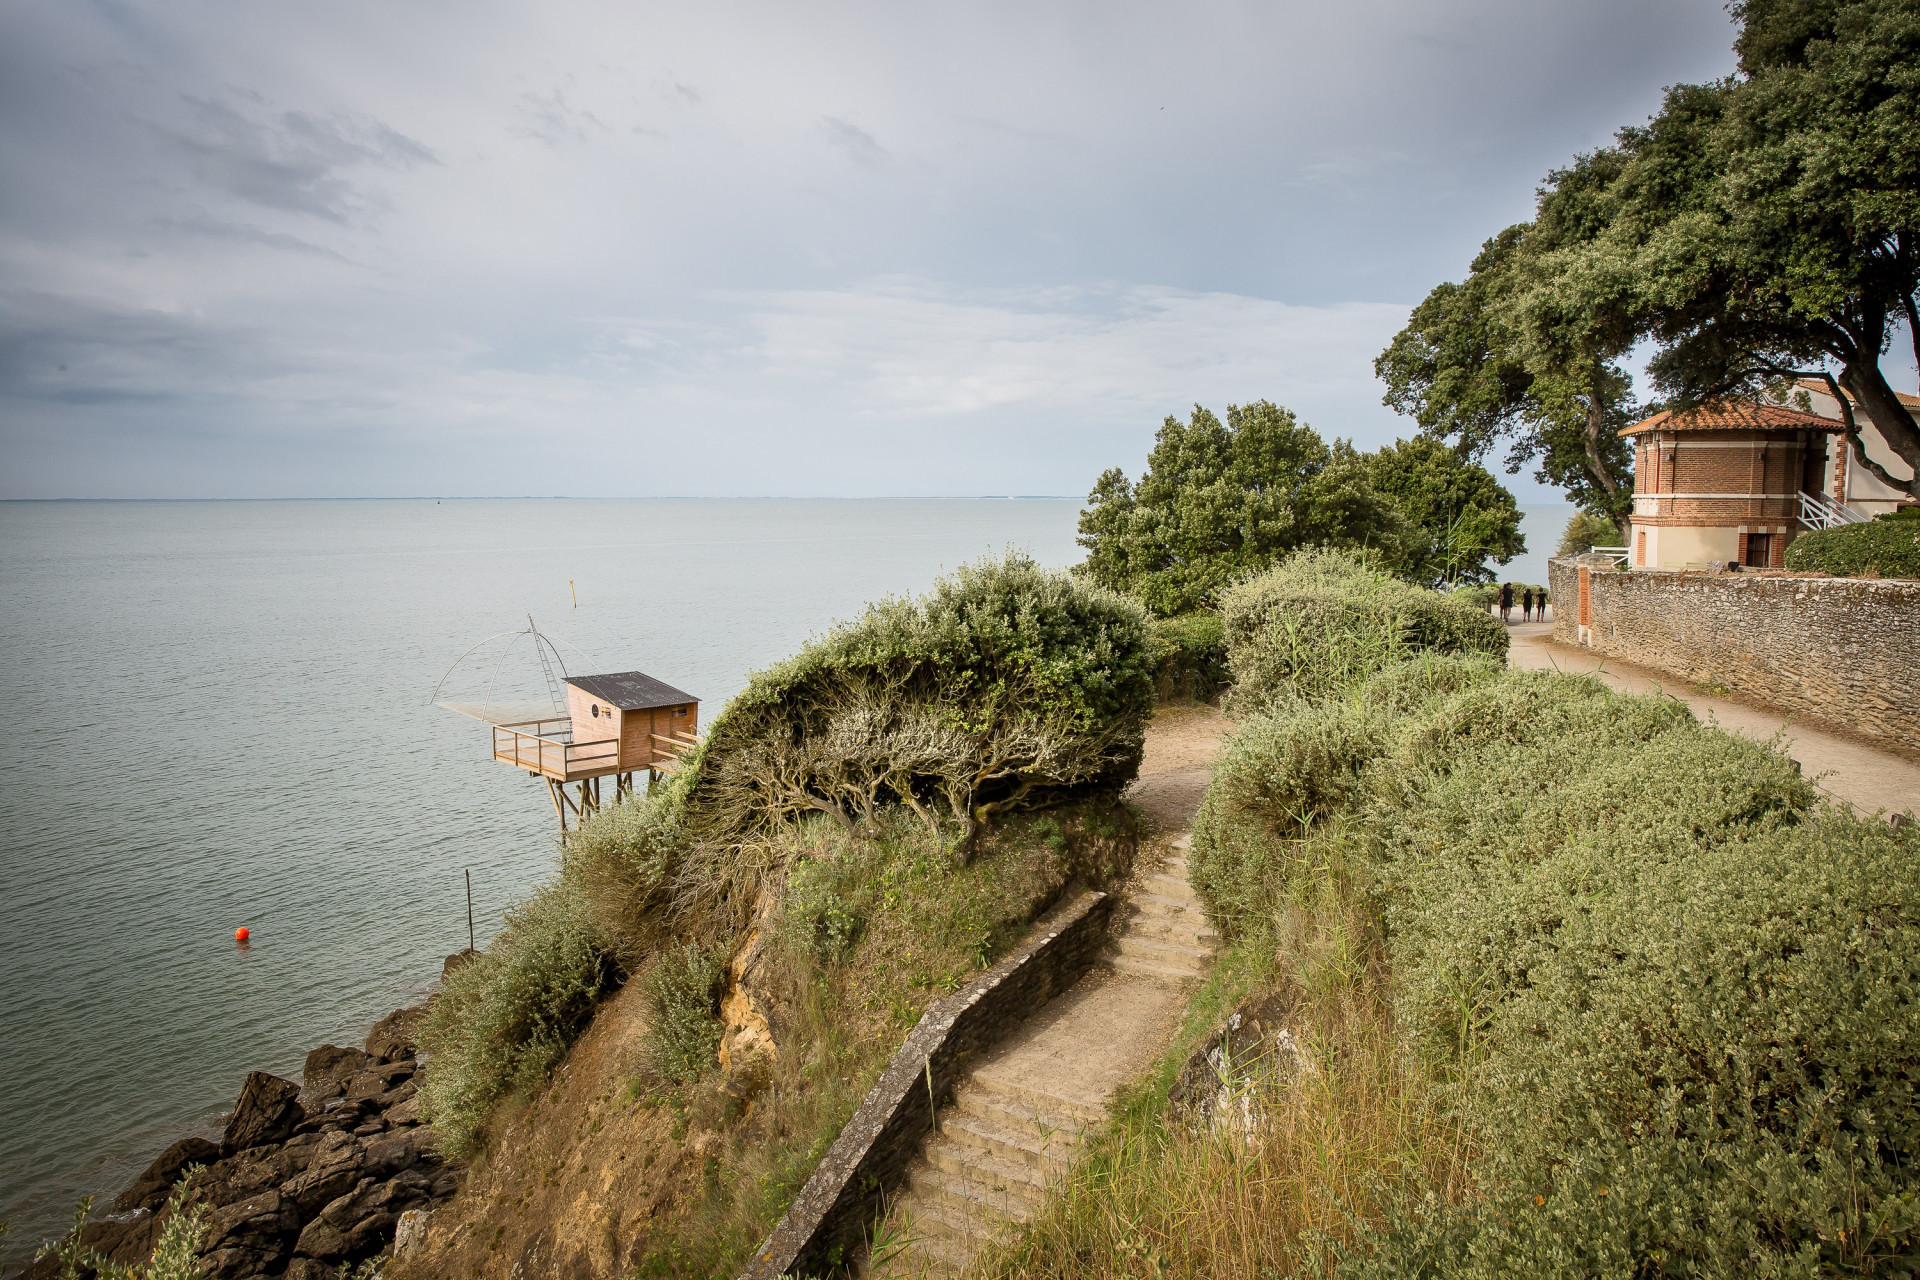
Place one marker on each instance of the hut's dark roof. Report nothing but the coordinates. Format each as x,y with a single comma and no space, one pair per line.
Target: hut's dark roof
631,690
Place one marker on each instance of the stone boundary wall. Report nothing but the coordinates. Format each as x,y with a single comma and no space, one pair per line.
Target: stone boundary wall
1843,652
842,1197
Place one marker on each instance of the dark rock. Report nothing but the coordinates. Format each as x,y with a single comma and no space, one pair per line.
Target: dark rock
249,1237
236,1264
456,962
310,1269
369,1128
327,1071
395,1037
404,1113
150,1189
321,1239
395,1096
361,1222
332,1171
268,1109
238,1177
366,1087
371,1234
446,1184
384,1159
136,1246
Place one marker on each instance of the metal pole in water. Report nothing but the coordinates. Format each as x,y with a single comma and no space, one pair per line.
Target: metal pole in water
470,909
576,593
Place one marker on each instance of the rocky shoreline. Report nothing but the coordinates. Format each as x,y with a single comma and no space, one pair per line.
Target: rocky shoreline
306,1178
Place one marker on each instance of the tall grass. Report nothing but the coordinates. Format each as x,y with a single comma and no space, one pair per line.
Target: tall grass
871,928
1338,1128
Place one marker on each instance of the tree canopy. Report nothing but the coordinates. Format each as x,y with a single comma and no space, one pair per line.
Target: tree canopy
1759,229
1222,500
1458,516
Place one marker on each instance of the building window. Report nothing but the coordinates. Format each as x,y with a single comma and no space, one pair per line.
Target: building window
596,711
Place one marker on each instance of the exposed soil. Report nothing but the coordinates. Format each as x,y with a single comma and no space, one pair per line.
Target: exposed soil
1182,743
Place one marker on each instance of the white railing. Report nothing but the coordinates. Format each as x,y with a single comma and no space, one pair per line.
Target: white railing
1817,511
1616,554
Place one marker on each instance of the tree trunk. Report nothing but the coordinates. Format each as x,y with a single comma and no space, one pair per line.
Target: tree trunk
1876,399
1597,423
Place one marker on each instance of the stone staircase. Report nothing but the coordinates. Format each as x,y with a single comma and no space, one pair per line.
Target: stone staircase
1017,1119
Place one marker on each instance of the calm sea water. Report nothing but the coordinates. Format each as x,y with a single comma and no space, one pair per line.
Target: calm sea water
215,715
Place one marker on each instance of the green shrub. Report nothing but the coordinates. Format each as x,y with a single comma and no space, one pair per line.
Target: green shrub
1587,530
683,988
1007,687
1189,656
1708,1072
1323,621
1883,548
501,1022
1282,773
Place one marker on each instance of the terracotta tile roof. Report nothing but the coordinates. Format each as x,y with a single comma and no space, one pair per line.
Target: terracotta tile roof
1815,384
1734,415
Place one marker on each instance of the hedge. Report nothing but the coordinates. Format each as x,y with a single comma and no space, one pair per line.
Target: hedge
1888,547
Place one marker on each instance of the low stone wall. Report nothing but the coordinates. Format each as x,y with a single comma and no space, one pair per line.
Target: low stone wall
842,1198
1836,651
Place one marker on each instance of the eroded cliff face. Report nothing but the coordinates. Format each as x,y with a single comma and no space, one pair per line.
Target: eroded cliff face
572,1178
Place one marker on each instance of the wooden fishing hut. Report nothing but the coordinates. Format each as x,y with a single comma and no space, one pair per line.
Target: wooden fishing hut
616,725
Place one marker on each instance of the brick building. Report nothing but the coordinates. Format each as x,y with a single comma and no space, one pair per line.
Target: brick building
1722,482
1846,481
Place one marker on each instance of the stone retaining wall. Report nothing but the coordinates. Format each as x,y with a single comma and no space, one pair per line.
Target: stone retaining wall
1844,652
842,1198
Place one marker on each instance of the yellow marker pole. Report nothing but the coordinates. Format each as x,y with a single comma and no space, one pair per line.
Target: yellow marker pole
576,594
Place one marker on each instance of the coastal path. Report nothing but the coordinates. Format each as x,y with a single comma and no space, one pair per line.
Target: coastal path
1871,780
1017,1119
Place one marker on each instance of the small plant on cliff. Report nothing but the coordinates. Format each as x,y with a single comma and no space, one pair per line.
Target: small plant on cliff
176,1255
501,1022
683,987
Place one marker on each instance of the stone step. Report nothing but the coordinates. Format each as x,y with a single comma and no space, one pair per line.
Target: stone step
937,1186
1158,904
1175,887
1081,1111
1033,1147
991,1173
1189,928
1025,1117
1121,962
1159,951
945,1220
1182,842
929,1255
1177,866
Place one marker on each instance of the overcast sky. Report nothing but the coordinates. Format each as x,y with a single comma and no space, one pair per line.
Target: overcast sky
261,248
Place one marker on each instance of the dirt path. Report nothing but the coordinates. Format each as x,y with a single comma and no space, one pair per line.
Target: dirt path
1017,1118
1871,781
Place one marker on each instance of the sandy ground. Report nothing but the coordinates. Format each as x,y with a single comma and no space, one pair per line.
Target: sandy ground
1182,743
1872,781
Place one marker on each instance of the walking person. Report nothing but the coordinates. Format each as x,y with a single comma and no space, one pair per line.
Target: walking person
1506,602
1526,605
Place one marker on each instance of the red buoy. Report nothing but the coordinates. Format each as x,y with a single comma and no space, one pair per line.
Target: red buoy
242,934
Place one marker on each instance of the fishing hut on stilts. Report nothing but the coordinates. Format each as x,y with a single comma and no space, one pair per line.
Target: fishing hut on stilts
614,725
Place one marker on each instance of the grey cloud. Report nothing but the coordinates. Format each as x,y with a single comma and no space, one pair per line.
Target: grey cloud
548,118
859,145
290,161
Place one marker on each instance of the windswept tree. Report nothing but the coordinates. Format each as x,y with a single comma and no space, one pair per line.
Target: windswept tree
1506,357
1458,515
1221,501
1772,221
1759,229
